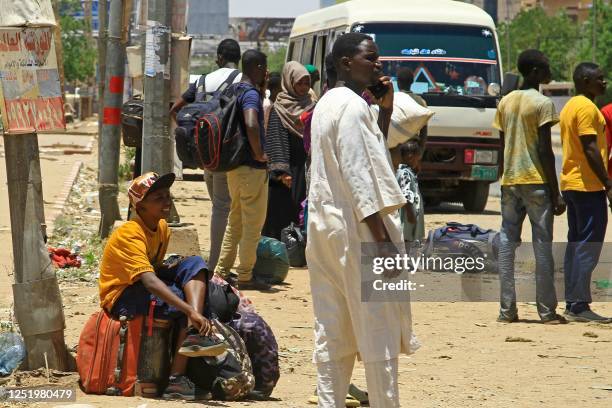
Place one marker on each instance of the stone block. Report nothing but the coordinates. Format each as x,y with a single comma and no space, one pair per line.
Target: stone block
183,241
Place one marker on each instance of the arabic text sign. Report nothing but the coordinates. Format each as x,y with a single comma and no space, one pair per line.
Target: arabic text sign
30,93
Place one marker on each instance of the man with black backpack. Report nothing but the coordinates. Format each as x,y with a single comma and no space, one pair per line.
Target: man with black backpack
248,183
228,57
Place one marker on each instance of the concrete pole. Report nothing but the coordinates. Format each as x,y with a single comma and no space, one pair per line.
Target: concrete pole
59,49
157,141
157,149
37,299
595,30
102,38
110,138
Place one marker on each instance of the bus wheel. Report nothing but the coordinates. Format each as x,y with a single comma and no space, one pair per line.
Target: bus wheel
476,194
431,202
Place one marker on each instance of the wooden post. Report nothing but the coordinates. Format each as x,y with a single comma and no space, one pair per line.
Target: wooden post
38,303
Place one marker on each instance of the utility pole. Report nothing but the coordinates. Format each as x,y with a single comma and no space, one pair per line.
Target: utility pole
157,142
508,22
36,295
37,299
59,50
102,38
110,138
157,152
594,31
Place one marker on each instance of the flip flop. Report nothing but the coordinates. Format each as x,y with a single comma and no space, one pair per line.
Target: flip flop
359,395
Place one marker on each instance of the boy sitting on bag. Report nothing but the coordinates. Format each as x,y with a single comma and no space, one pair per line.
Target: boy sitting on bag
134,281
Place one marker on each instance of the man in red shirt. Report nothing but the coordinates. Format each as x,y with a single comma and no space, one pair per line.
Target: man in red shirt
607,112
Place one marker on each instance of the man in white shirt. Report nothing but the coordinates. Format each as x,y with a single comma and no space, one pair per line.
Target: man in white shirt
353,199
228,57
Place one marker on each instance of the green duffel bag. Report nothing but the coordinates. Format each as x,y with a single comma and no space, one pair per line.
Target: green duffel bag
272,264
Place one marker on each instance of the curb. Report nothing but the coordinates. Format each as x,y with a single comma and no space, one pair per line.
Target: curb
58,205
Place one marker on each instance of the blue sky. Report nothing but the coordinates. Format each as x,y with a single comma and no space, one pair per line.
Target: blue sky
270,8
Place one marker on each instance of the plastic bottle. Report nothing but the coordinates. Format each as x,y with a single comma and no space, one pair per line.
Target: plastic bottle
12,351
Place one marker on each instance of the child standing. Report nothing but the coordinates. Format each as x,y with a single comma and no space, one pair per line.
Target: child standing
412,215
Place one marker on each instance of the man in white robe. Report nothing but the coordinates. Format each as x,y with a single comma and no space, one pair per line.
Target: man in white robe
354,198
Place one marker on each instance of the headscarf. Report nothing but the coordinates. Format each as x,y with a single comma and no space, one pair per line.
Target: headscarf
288,105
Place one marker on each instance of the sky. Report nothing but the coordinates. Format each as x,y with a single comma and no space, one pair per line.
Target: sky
271,8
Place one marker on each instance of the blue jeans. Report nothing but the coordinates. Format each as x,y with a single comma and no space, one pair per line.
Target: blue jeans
517,202
587,218
135,299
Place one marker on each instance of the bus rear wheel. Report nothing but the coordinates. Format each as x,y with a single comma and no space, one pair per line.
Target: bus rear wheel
475,196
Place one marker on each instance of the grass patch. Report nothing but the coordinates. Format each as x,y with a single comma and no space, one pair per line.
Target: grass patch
70,234
125,168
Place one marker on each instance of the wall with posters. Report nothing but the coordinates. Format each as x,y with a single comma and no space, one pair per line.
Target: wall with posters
30,94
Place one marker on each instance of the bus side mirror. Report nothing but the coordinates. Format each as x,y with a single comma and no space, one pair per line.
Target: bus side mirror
511,83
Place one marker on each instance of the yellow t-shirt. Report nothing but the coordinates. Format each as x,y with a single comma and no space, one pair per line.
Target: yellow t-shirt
132,250
580,117
519,115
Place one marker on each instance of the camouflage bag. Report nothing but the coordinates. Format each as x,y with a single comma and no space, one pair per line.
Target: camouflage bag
229,376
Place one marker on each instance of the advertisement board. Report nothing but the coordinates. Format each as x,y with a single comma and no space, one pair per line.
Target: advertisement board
261,29
30,93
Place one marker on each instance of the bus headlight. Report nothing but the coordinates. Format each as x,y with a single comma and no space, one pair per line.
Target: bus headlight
477,156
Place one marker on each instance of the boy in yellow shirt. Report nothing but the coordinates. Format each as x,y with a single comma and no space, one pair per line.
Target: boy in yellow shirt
585,186
134,280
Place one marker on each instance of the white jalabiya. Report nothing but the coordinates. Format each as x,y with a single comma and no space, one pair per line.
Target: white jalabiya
351,179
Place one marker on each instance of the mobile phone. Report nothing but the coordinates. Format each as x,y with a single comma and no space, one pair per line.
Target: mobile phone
379,90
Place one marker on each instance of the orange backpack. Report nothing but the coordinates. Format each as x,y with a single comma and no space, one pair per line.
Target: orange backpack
107,356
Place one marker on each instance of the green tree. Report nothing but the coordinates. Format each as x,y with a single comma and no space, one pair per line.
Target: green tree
603,35
556,36
80,53
276,59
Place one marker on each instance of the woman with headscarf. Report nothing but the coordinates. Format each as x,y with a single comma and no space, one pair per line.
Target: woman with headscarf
285,149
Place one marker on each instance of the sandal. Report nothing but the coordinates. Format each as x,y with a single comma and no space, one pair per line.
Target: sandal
359,395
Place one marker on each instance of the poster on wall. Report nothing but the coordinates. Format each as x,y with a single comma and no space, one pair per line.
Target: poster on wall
30,93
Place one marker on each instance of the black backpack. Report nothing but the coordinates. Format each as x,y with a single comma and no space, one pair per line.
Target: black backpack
228,376
295,242
210,131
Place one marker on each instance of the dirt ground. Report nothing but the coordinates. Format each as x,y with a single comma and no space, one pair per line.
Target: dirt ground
467,359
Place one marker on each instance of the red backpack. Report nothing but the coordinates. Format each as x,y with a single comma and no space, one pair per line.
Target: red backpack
107,356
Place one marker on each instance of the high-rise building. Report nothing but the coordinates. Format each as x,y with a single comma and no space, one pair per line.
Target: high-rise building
577,10
207,17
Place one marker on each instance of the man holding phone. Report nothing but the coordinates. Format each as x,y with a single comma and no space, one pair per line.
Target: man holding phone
353,199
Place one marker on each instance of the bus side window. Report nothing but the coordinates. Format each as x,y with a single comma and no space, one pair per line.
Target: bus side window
290,51
307,51
319,61
297,50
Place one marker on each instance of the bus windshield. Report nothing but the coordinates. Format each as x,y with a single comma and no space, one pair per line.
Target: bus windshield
445,59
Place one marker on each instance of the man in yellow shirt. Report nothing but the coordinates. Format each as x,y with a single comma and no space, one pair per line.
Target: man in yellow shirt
585,185
134,280
529,185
